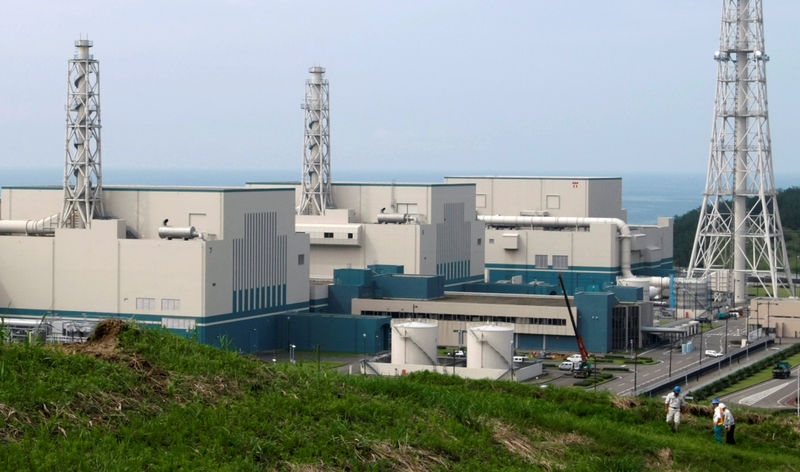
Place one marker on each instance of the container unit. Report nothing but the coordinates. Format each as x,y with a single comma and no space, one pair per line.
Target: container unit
414,342
490,346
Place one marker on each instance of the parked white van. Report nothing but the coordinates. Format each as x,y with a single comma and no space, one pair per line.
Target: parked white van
519,358
566,365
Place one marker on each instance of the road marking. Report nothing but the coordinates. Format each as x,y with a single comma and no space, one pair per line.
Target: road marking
757,397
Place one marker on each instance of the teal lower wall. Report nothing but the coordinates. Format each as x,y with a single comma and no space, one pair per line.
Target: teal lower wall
575,279
258,332
334,333
537,342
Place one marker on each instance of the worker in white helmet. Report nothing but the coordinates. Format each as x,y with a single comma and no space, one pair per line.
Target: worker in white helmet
729,424
672,405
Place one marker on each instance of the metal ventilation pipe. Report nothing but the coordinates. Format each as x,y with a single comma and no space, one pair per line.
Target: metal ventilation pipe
44,226
396,218
180,232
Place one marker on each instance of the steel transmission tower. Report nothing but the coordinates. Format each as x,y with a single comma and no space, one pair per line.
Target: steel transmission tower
82,171
316,179
739,234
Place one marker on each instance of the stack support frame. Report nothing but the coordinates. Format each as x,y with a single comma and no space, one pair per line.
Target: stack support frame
739,234
316,179
82,170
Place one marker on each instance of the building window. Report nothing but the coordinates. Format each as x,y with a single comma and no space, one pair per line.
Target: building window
301,259
479,241
170,304
491,240
407,208
349,235
328,235
146,304
553,202
541,261
560,262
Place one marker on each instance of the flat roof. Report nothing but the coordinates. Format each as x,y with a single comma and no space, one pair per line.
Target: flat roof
530,177
155,188
373,184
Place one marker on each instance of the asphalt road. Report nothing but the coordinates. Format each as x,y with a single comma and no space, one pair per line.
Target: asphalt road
671,362
774,393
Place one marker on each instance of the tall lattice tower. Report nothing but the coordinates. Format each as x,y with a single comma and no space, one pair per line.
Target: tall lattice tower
739,234
316,179
82,170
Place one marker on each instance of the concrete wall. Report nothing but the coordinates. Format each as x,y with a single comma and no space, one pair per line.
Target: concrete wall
557,196
781,316
593,253
444,238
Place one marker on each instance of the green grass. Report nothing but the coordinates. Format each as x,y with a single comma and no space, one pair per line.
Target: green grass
161,402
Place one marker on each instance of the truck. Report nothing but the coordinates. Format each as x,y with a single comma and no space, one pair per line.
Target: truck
581,369
782,370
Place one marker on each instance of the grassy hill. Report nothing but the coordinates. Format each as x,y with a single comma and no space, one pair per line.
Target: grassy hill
139,399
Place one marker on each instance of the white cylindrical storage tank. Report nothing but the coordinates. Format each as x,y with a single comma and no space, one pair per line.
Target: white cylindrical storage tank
414,341
490,346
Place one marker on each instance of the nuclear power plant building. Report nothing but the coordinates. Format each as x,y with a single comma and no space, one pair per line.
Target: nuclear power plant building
210,262
428,228
538,227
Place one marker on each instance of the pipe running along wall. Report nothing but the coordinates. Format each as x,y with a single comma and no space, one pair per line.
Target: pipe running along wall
660,283
44,226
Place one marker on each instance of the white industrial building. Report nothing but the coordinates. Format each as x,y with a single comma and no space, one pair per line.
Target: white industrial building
235,262
429,229
537,227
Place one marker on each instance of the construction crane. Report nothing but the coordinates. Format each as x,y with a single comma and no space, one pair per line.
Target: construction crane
585,368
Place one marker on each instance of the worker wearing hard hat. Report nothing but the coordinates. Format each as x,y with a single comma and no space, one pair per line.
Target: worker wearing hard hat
672,405
718,421
729,424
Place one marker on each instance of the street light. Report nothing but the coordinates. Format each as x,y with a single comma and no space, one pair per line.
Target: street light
291,353
726,337
671,347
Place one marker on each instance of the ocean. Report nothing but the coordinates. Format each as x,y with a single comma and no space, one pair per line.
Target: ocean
645,195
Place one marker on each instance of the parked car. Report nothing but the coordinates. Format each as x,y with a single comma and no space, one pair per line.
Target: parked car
704,319
566,365
459,354
519,359
713,353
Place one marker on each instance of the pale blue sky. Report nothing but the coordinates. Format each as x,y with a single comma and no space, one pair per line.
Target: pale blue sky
536,87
